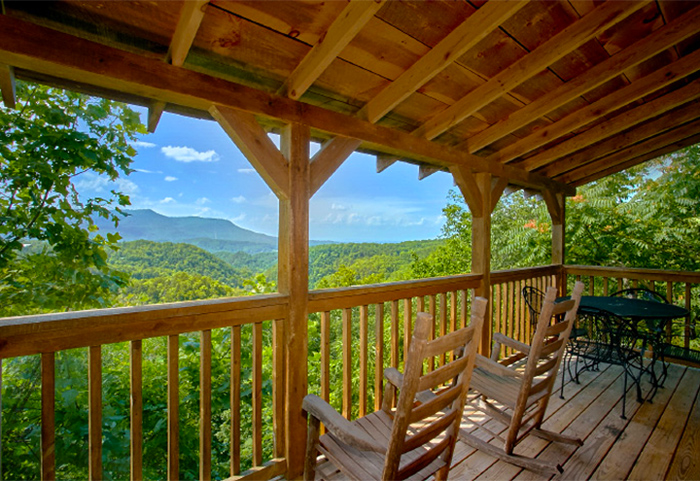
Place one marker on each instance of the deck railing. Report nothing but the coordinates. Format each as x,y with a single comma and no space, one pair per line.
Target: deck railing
680,288
354,333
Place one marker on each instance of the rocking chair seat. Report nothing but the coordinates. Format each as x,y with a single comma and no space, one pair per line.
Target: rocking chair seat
363,465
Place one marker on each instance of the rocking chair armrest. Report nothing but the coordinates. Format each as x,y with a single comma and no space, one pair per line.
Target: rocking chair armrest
512,343
340,427
494,367
394,376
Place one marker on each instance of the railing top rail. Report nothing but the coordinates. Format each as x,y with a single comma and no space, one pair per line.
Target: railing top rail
519,274
67,330
328,299
634,273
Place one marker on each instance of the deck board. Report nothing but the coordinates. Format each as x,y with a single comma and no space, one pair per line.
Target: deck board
658,440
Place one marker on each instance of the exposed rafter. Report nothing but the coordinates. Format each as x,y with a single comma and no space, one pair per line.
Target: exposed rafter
633,136
425,171
191,17
7,85
47,51
531,64
385,161
615,125
155,110
653,82
454,45
668,149
642,50
341,32
625,155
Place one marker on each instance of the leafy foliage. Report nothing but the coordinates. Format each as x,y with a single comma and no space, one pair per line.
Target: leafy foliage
52,139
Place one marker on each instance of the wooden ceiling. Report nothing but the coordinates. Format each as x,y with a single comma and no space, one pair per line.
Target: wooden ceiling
546,94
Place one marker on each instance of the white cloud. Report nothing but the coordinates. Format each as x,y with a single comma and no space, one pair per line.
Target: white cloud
143,144
239,218
246,171
170,178
168,200
238,200
188,154
202,201
98,183
144,171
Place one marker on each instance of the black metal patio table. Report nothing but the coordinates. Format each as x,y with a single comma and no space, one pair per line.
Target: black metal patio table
654,314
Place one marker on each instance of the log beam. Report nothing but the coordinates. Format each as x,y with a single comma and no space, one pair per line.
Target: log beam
653,82
191,17
327,160
341,32
664,38
615,125
531,64
46,51
480,24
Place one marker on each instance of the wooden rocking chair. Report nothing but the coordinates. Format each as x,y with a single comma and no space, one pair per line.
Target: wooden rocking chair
416,439
517,393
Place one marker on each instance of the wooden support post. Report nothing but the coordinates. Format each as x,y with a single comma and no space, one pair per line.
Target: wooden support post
481,193
556,204
293,277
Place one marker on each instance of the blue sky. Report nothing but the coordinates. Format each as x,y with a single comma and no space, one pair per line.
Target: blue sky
190,167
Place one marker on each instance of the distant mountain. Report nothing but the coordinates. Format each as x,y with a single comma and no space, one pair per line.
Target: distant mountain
213,235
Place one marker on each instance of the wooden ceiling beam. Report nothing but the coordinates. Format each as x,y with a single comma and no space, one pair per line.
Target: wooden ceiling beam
425,171
45,51
665,37
7,85
191,17
341,32
625,155
530,65
470,32
327,160
615,125
252,140
385,161
657,80
466,181
633,136
669,149
155,110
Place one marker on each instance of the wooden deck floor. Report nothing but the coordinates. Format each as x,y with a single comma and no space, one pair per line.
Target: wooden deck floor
659,440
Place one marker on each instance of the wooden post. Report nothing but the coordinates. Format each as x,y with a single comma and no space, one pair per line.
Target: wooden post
481,253
556,204
293,275
481,193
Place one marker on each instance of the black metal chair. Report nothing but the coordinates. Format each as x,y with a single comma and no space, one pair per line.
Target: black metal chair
533,299
655,333
607,338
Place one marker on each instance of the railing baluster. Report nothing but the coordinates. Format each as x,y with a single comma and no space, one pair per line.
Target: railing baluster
347,363
48,416
278,356
453,317
363,361
687,333
325,355
591,285
136,388
443,321
395,334
205,405
235,400
379,357
463,314
173,408
257,394
95,412
407,330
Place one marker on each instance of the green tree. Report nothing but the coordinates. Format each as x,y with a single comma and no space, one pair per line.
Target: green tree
52,138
